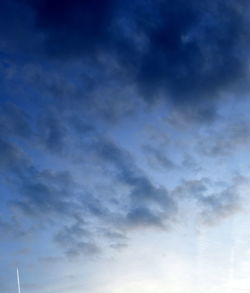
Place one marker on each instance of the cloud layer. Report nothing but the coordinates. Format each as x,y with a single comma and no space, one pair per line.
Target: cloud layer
84,83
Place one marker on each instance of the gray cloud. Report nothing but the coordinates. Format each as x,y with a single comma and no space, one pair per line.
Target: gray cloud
157,158
226,140
54,195
13,159
46,196
149,204
212,205
221,205
52,134
76,240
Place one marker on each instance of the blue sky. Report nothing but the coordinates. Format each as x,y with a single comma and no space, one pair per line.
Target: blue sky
124,146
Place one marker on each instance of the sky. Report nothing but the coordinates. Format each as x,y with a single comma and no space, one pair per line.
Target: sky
124,146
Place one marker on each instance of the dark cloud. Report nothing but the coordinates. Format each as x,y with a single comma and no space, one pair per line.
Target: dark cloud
196,49
73,27
189,52
14,121
16,21
192,50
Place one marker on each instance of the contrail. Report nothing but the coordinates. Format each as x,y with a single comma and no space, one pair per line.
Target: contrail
18,280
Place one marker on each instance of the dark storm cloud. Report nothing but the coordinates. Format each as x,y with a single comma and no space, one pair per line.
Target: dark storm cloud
73,27
191,51
188,51
196,48
15,29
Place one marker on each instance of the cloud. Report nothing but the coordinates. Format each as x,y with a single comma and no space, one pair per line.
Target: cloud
52,134
77,213
16,29
144,217
51,198
226,140
87,62
147,204
76,240
8,230
225,203
13,158
54,198
14,121
195,49
46,193
72,28
134,203
157,158
214,203
189,53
